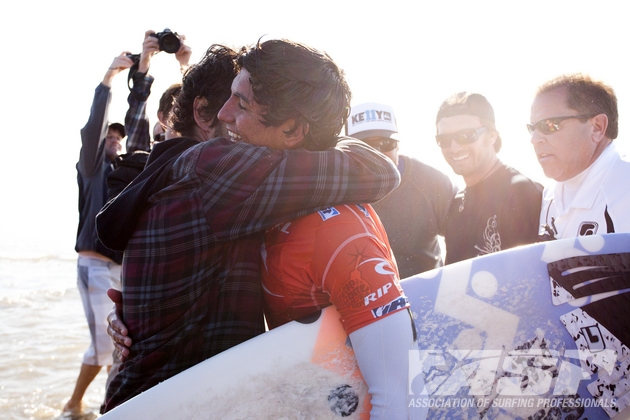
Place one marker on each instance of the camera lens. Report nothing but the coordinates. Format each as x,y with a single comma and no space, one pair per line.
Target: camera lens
169,42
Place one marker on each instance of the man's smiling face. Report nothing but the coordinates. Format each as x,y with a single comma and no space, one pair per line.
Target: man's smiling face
472,160
243,117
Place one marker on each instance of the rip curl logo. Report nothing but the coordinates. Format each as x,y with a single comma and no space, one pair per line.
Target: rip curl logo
380,292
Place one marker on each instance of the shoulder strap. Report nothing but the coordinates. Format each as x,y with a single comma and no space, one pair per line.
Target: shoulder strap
117,220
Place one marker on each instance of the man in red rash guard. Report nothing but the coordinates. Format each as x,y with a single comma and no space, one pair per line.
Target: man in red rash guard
339,255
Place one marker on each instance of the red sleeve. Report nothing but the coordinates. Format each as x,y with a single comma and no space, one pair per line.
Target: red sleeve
357,268
339,255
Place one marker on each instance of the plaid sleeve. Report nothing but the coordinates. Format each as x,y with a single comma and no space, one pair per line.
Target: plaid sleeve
136,120
247,189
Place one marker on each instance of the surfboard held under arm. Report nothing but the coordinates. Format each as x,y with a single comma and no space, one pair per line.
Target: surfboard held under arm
541,331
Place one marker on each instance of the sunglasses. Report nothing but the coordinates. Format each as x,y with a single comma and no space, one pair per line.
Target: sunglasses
382,145
462,137
551,125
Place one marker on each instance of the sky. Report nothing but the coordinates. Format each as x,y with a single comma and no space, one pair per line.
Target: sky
410,55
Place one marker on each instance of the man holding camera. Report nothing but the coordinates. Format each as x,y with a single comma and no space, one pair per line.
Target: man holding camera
99,268
129,165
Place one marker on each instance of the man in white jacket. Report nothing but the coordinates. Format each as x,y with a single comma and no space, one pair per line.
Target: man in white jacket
574,120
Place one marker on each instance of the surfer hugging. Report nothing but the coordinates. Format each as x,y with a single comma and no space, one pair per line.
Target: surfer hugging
260,166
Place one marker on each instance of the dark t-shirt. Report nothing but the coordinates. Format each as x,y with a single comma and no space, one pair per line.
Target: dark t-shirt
500,212
414,215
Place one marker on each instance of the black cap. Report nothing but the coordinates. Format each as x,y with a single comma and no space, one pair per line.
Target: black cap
466,103
118,127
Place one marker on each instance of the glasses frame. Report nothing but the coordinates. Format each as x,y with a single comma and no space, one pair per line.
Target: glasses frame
380,144
552,125
462,137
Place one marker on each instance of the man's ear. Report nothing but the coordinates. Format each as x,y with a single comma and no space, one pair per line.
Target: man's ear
202,119
600,125
294,133
494,135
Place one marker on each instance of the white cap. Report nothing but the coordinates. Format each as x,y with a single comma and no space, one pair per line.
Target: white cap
371,120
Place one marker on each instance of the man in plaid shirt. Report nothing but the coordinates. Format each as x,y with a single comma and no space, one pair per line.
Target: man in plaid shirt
99,267
191,223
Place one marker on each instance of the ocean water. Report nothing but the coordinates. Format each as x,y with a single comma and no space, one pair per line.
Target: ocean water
43,334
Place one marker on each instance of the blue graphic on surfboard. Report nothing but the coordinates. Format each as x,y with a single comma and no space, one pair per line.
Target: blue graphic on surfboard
535,332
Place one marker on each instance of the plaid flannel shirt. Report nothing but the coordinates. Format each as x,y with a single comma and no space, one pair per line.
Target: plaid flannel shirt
191,270
136,121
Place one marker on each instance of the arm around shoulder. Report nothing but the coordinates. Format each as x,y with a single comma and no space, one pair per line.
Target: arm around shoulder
373,173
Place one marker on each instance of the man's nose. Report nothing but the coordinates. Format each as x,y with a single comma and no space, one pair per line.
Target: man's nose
224,113
537,137
455,147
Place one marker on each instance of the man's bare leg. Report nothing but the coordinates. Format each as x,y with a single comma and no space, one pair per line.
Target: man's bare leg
86,376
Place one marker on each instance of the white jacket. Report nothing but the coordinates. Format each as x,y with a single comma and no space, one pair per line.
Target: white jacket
601,203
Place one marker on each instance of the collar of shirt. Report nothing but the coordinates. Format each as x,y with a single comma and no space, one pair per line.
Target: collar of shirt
586,183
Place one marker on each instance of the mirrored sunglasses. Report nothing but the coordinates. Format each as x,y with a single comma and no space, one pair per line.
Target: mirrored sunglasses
462,137
551,125
383,145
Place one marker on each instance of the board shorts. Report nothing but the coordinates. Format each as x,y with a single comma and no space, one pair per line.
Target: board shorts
94,277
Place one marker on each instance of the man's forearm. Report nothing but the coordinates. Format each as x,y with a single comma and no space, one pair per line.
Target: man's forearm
94,131
382,351
136,121
274,186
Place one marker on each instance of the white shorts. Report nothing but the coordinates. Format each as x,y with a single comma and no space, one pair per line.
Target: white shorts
94,277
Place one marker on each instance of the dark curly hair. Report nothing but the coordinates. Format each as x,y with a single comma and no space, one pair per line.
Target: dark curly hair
211,79
168,99
294,81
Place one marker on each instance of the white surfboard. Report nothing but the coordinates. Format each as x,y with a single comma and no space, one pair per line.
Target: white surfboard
536,332
301,370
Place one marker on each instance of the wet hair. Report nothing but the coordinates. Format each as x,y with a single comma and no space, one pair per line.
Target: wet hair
467,103
588,97
210,79
167,99
294,81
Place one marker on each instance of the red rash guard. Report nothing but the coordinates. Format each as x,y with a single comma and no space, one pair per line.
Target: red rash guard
339,255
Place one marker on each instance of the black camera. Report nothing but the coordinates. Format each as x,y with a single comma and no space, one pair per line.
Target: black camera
134,57
168,41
